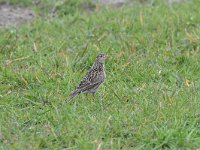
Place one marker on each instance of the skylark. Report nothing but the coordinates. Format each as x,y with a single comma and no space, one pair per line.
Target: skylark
93,79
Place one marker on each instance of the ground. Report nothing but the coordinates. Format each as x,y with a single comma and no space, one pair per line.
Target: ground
150,99
14,15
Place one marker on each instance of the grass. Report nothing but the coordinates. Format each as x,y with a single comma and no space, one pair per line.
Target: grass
150,99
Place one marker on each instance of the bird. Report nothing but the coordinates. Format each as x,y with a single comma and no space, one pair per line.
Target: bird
93,79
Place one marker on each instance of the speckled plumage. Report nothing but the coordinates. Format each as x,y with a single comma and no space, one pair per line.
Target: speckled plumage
93,79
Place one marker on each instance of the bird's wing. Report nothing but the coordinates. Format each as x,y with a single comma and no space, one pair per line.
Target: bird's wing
97,78
83,83
82,89
89,87
91,78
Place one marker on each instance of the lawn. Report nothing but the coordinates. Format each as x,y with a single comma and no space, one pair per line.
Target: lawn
151,97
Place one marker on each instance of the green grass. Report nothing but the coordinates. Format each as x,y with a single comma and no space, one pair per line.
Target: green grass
150,99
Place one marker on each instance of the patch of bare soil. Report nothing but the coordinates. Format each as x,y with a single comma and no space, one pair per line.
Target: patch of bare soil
14,16
122,2
113,1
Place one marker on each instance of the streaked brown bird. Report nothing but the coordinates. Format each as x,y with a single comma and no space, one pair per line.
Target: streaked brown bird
93,79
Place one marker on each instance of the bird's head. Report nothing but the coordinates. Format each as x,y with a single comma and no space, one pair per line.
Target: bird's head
101,58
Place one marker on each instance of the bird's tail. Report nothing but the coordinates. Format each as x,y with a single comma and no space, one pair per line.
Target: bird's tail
73,95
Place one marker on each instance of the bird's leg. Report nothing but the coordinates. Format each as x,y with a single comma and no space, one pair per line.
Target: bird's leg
100,100
93,96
